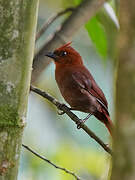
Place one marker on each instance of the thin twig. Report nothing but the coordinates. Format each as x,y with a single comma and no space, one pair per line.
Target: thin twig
65,109
50,162
51,20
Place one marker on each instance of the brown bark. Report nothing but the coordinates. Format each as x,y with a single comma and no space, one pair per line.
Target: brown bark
124,141
17,31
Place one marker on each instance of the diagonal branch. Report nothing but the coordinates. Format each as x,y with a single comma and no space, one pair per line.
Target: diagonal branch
65,109
51,20
51,163
71,25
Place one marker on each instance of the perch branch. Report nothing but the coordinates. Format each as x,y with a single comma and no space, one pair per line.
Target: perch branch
51,20
51,163
71,25
65,109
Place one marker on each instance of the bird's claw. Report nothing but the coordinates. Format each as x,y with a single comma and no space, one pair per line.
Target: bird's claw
82,121
60,106
60,112
79,124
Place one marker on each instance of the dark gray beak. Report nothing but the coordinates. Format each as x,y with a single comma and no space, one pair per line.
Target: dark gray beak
51,55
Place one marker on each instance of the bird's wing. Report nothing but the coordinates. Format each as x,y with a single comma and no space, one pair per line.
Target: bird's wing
82,80
88,83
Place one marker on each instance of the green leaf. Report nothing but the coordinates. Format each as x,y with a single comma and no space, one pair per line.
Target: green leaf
98,36
77,2
111,13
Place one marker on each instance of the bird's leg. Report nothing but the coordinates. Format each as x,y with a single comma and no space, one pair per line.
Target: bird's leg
87,117
83,121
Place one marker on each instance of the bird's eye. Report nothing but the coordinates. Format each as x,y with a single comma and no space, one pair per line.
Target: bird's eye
63,53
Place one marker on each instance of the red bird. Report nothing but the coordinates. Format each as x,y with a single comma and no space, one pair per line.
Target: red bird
78,86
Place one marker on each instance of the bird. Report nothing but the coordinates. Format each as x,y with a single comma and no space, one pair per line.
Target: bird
78,86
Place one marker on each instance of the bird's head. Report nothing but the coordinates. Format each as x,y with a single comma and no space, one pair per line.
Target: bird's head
65,55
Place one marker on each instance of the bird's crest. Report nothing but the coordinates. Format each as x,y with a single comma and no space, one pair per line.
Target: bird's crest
66,45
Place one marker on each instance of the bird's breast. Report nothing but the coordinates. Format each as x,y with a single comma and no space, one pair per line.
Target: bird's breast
74,95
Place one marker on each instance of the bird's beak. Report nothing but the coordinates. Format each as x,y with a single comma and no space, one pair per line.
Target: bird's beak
51,55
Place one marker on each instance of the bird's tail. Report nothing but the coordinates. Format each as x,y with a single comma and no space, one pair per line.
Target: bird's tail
108,123
105,118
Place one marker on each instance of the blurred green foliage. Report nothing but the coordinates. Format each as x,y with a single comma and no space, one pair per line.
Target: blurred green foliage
92,163
92,166
102,29
98,36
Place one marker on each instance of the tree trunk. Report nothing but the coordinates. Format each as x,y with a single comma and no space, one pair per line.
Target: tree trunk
124,141
17,34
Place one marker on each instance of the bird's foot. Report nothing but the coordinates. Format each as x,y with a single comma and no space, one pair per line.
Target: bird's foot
61,112
82,121
79,124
